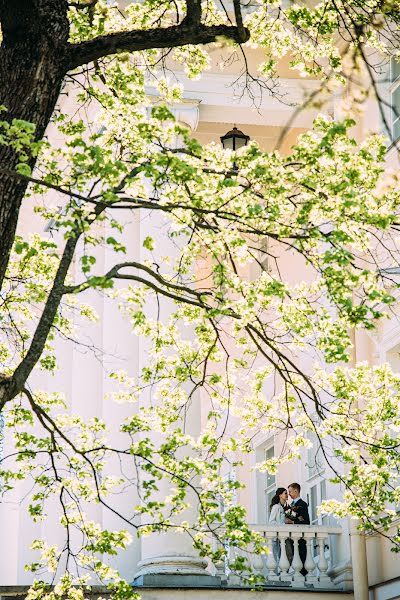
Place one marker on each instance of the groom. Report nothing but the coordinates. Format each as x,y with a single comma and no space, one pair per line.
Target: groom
299,516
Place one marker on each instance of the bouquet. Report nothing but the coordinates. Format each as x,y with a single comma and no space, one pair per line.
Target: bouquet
291,512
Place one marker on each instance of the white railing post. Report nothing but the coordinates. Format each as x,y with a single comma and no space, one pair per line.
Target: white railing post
272,560
310,565
220,569
297,565
257,564
234,578
220,564
322,562
284,563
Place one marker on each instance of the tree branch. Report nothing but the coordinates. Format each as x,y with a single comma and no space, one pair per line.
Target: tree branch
15,385
136,40
193,12
22,372
238,17
46,184
114,273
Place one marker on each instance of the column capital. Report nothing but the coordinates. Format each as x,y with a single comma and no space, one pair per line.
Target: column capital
186,112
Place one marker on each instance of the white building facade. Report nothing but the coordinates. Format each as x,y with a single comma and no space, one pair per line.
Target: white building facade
341,562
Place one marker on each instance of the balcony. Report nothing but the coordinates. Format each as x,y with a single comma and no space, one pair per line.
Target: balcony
321,563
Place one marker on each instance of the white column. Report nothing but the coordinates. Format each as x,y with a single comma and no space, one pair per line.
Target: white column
360,565
322,562
169,554
357,538
309,565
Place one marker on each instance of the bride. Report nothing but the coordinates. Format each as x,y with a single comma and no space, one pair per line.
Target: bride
277,517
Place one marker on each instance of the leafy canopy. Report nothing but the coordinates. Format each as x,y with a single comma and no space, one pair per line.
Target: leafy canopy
234,334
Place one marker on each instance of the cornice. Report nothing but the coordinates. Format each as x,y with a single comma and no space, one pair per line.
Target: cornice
220,101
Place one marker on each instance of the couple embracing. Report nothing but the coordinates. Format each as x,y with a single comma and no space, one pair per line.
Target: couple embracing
295,513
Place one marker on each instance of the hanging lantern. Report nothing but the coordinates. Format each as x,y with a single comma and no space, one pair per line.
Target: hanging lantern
234,139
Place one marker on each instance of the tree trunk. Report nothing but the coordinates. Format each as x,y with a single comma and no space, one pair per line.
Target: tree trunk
35,34
35,56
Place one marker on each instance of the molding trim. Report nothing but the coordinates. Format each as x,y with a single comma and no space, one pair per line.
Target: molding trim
222,101
172,564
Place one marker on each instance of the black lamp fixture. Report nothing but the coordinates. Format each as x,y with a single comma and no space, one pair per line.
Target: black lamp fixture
234,139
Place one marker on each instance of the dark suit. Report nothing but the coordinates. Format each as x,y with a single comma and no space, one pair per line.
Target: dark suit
303,518
302,511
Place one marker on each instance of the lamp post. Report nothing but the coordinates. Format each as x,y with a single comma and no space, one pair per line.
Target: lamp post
234,139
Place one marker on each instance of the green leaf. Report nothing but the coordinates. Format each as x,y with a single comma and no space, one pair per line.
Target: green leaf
148,243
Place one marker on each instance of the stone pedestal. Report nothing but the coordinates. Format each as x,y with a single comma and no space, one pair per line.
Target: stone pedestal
174,570
173,564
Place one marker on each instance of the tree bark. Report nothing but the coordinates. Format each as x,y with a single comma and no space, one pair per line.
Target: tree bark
35,35
164,37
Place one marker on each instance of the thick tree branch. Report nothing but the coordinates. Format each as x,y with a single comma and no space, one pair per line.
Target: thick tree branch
193,12
15,385
136,40
238,17
46,184
114,273
17,382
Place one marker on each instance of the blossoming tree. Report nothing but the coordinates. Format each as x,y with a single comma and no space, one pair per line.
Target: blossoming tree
329,202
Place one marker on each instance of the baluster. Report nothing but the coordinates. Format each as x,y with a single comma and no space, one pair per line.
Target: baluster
284,563
220,569
249,565
297,565
220,564
257,564
322,562
234,578
271,559
310,563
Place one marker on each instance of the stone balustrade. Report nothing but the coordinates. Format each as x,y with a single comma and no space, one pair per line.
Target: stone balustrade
274,565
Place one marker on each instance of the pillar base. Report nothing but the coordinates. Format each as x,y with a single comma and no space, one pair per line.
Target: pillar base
342,575
173,564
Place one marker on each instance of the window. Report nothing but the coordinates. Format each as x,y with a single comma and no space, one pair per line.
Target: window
317,491
395,97
231,476
270,481
315,497
263,255
315,463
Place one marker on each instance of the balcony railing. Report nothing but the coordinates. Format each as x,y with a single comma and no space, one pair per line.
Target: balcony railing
274,565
